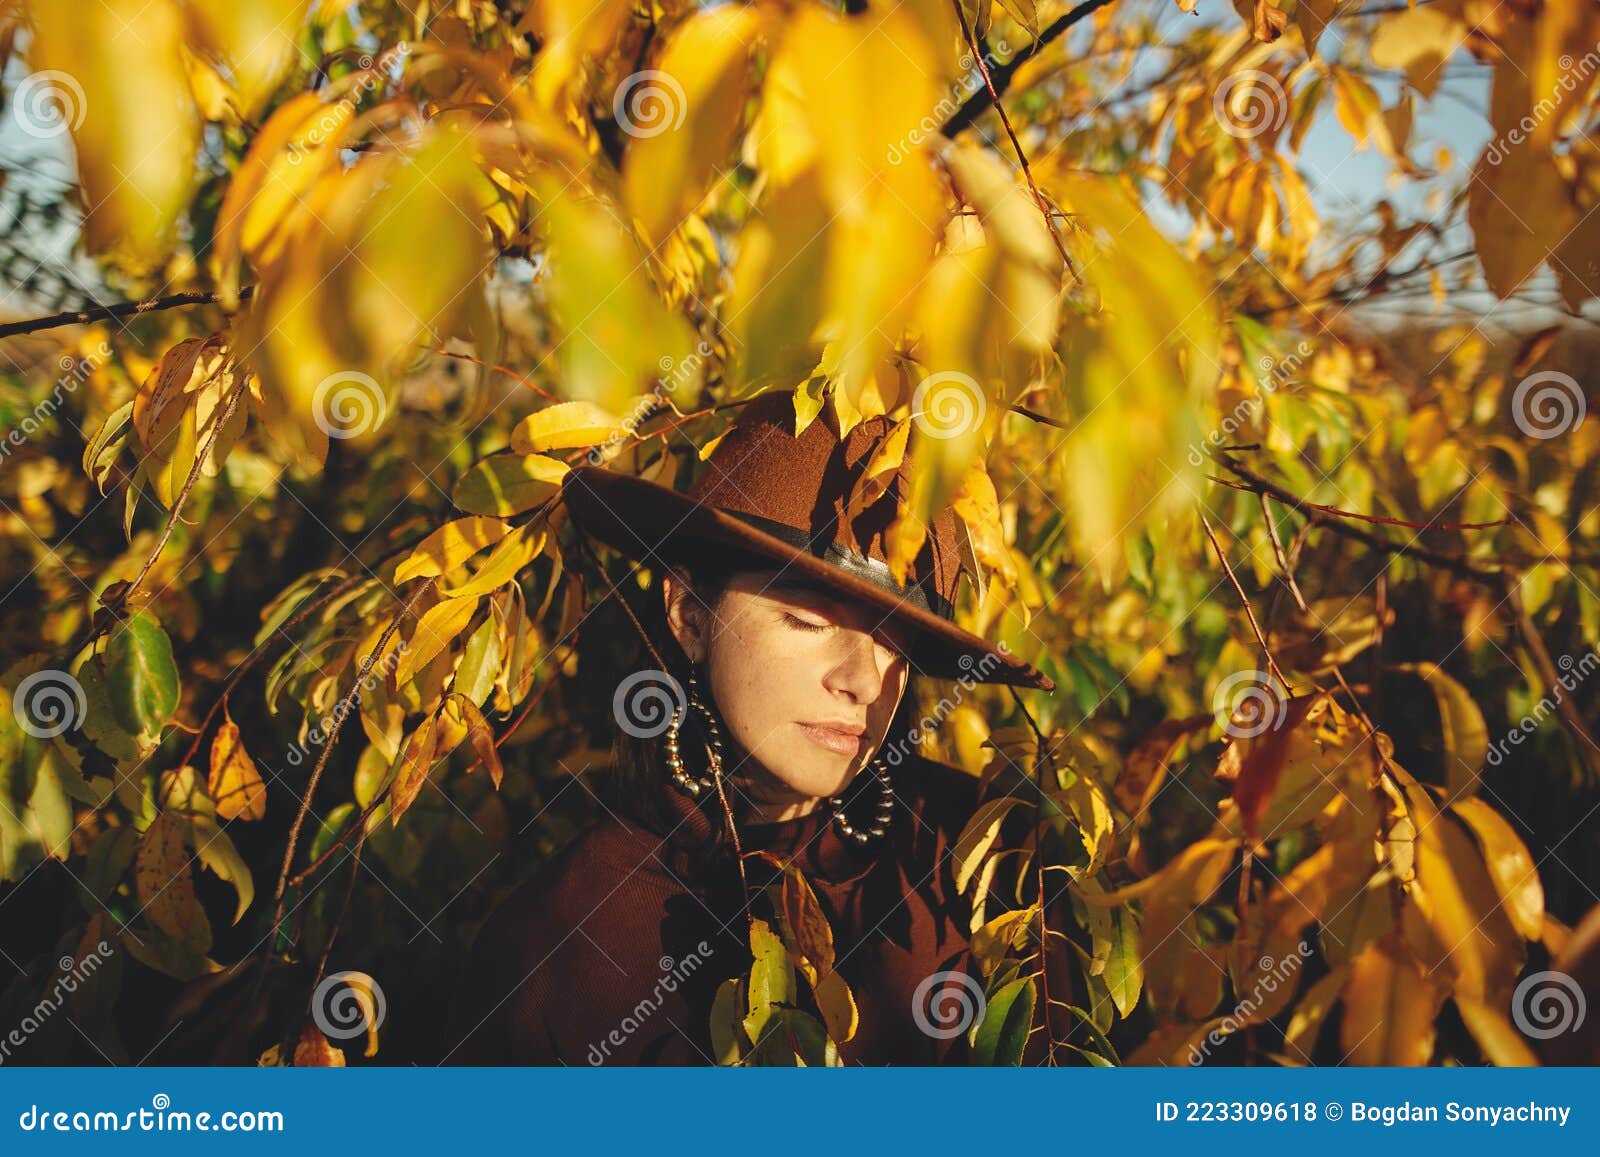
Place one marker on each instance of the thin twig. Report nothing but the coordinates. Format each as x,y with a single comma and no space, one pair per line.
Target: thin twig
1001,78
118,604
95,312
1266,648
341,713
979,55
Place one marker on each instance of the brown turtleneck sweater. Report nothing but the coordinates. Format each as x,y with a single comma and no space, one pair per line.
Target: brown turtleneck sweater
614,955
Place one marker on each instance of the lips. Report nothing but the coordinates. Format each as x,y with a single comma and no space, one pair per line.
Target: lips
832,738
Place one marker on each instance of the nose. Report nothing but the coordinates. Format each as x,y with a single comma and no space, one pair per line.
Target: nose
861,667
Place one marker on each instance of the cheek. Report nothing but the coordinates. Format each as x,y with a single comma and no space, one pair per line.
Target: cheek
881,713
752,683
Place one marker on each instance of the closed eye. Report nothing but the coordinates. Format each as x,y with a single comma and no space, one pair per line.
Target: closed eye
802,625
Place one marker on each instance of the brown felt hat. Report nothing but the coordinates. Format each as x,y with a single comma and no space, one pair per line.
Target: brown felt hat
773,498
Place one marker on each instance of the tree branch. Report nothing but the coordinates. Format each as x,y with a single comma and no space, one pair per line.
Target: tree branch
1000,79
104,312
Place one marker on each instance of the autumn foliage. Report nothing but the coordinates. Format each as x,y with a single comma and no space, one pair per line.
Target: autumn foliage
1297,507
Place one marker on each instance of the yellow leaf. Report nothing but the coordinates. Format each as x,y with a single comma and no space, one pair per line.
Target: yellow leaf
864,212
1390,1004
338,316
1510,866
569,31
1466,736
995,938
415,764
683,116
510,556
564,426
165,886
1029,276
1519,210
450,546
803,916
507,484
217,852
285,157
618,339
131,114
1453,919
437,629
234,783
1495,1034
482,736
1133,373
838,1006
257,41
978,837
1420,41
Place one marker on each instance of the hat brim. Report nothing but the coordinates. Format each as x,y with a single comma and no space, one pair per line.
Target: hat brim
646,520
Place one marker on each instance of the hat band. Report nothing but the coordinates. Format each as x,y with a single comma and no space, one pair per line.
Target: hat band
869,570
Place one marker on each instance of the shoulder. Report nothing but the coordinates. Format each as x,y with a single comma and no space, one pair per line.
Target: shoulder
939,792
556,938
608,862
940,799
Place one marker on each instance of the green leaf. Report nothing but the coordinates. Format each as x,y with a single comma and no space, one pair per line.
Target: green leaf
1004,1031
772,981
507,484
480,663
141,676
217,852
1124,973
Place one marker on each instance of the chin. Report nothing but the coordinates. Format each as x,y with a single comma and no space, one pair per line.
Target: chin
815,780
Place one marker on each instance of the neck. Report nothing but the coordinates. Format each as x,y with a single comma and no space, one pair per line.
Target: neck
778,811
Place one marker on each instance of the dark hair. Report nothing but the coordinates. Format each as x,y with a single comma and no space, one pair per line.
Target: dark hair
637,782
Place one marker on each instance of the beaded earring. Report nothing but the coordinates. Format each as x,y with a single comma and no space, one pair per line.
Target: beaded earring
880,823
694,785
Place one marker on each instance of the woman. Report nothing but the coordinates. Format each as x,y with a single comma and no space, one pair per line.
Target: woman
784,652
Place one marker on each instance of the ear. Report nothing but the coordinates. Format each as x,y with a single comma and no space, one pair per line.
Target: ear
687,616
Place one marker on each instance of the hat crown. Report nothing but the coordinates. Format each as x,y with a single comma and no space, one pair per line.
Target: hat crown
761,472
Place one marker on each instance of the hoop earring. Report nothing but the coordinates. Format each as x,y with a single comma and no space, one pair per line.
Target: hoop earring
694,785
880,823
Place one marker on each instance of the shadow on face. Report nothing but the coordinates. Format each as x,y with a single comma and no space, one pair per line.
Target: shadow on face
806,681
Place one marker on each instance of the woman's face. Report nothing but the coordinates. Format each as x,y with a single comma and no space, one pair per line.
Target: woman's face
805,682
